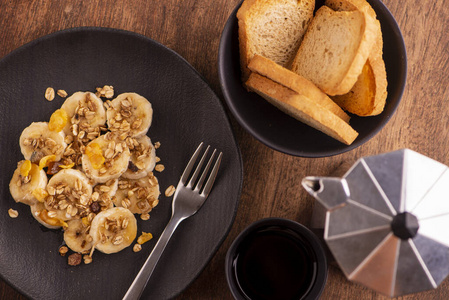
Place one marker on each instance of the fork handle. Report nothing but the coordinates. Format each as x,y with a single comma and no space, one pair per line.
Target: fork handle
135,290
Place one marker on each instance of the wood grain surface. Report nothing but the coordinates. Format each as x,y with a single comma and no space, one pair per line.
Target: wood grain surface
271,186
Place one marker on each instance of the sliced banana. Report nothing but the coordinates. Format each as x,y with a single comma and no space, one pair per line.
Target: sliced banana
140,196
77,237
113,230
109,162
69,195
86,114
40,213
85,170
22,187
143,157
37,141
129,115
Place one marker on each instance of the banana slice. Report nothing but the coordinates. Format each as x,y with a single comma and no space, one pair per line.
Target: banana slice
113,230
22,185
77,237
38,211
129,115
105,158
69,195
86,114
140,196
37,141
143,157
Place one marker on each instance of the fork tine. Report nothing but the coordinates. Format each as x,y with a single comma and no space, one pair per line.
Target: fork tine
189,167
213,175
198,169
199,185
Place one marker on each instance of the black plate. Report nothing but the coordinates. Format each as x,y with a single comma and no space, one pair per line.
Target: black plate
284,133
186,112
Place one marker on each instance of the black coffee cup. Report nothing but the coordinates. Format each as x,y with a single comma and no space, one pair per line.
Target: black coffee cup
278,259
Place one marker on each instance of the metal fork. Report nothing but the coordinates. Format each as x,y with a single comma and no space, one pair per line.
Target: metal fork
187,200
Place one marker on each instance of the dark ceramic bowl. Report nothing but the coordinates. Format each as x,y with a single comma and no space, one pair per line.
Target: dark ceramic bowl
276,258
284,133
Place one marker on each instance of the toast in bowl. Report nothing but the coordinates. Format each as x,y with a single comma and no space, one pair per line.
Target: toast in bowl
335,49
272,28
302,108
268,68
369,93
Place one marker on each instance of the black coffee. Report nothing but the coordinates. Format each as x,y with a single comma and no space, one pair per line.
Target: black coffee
274,263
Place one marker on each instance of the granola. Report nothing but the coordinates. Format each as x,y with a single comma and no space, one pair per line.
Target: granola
72,173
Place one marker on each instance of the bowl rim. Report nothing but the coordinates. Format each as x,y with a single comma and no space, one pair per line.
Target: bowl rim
314,242
398,91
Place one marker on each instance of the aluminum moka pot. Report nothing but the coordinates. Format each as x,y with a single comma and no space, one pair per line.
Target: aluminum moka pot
386,221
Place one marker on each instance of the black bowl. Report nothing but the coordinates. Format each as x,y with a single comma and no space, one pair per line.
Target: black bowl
284,133
276,258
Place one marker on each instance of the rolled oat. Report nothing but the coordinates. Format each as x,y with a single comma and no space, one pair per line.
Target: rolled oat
50,94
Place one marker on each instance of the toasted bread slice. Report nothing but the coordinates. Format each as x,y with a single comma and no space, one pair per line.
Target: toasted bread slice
272,28
380,76
302,108
364,7
369,93
335,49
360,99
295,82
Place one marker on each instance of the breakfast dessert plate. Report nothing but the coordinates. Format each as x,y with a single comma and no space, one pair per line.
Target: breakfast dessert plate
283,133
185,112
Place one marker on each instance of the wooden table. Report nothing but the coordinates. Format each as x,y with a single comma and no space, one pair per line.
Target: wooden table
271,186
